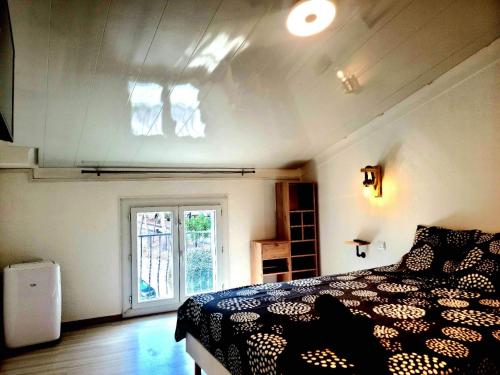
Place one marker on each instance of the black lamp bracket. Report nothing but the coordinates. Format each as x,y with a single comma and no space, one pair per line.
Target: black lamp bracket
359,243
360,254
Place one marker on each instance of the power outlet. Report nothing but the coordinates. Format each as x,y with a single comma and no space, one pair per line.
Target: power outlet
381,245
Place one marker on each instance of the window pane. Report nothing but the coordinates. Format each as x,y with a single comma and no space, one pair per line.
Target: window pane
200,244
155,256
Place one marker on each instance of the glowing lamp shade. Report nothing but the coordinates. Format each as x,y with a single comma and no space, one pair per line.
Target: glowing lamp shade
368,191
309,17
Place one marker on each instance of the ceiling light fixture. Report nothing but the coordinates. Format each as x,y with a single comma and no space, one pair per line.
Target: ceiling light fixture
309,17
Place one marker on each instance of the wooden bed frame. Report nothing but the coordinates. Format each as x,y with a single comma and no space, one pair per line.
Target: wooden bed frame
203,359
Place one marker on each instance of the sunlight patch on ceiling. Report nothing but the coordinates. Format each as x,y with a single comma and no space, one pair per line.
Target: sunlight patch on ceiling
146,103
215,51
185,111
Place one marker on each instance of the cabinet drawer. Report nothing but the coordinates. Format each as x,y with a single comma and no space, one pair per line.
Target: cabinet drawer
276,250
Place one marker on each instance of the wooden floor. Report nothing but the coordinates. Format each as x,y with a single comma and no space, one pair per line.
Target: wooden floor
135,346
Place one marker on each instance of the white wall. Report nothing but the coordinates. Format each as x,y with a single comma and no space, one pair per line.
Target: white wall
77,224
440,150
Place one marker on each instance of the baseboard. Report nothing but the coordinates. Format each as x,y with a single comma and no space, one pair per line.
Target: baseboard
65,327
9,353
79,324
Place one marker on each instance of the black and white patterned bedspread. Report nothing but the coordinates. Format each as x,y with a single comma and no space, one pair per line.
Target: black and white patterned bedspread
421,324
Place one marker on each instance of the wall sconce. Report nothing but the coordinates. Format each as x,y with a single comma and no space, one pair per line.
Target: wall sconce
349,82
373,181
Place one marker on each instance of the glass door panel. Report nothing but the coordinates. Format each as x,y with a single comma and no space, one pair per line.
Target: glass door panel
155,270
199,249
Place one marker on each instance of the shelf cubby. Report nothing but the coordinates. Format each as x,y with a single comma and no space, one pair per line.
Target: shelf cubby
273,266
304,263
296,233
308,218
309,233
303,248
303,274
295,218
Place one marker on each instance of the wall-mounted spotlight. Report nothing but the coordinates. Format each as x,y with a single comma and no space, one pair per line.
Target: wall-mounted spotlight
349,82
373,181
309,17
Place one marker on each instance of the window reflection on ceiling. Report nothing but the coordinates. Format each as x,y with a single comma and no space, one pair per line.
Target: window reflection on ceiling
184,110
145,99
215,51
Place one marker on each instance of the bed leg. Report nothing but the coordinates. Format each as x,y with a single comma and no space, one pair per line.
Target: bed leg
197,369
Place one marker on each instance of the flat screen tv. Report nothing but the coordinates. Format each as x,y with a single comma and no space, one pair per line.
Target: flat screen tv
6,75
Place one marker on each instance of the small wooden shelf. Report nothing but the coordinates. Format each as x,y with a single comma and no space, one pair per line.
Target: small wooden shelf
266,270
304,270
274,274
358,243
271,258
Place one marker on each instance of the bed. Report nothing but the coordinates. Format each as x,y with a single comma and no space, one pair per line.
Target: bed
437,311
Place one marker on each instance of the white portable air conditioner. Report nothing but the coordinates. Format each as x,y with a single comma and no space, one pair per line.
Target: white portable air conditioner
31,303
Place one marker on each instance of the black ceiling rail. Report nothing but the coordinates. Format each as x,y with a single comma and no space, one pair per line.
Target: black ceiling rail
98,172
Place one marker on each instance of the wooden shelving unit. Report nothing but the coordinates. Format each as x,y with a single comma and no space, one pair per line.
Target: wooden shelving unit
296,220
271,258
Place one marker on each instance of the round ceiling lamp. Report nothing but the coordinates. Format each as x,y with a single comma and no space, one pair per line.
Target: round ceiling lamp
309,17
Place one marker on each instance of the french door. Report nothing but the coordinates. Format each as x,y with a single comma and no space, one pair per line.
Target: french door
175,251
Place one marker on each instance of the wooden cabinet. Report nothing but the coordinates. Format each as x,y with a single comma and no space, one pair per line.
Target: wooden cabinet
296,220
271,258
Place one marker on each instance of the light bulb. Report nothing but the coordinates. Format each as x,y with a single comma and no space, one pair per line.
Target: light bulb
368,191
309,17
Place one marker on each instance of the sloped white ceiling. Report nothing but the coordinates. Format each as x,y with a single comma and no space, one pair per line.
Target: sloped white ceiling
221,82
